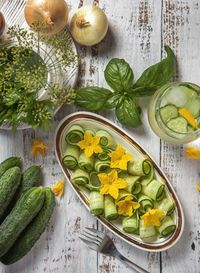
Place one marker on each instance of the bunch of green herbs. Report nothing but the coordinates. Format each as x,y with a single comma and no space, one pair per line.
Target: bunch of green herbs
124,91
23,73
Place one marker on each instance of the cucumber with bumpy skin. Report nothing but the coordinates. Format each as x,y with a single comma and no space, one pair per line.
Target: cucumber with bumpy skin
9,163
9,182
30,178
26,208
33,232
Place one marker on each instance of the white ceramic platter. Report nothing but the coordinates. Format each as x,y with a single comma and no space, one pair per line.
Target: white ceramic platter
89,120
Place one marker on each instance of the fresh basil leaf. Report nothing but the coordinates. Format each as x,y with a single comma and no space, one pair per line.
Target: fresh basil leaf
158,74
92,98
113,100
144,91
119,75
127,113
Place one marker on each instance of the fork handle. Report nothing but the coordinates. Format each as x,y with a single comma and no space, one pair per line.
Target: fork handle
134,266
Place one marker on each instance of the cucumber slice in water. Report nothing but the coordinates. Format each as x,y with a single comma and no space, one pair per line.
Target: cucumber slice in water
178,125
193,106
179,95
168,112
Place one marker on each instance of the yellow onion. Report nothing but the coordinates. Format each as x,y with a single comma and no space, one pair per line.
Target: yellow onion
2,24
89,25
52,13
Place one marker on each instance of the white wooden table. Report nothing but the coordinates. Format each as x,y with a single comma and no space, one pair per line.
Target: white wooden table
138,30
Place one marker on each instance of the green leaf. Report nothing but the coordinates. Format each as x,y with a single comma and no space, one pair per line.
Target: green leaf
92,98
113,100
144,91
119,75
157,74
128,113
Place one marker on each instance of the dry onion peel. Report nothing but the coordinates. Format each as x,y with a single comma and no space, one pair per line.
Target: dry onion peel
2,24
89,25
53,14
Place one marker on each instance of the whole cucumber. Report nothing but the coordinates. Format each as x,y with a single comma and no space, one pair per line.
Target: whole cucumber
9,163
9,182
30,178
26,208
33,232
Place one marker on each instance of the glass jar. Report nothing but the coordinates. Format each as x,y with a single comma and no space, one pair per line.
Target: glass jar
164,112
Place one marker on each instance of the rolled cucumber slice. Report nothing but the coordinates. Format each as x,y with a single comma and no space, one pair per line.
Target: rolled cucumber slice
168,112
167,226
178,125
96,203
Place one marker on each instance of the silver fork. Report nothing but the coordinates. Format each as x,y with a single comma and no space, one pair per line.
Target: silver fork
98,241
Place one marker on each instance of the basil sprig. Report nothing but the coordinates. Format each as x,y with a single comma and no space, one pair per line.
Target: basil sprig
119,76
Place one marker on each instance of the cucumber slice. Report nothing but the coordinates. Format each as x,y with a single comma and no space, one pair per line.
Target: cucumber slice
178,125
198,121
190,129
168,112
179,95
193,106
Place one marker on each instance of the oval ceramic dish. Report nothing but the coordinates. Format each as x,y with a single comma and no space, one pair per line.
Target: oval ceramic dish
96,121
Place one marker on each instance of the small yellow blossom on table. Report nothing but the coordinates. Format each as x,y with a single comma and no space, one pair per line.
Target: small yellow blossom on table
58,188
38,148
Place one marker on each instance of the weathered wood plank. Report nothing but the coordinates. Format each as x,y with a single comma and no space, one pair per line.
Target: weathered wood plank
181,20
134,35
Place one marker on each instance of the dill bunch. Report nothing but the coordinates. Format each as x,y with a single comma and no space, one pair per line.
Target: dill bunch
25,65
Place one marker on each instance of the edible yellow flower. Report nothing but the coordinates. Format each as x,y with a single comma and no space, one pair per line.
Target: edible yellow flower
153,217
119,158
188,116
111,183
192,152
38,148
198,186
58,188
90,144
127,206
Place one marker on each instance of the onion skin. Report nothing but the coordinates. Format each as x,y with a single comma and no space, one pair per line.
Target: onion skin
89,25
53,13
2,24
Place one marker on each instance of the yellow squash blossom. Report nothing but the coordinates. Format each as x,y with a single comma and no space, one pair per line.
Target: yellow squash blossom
153,217
198,186
119,158
127,206
192,152
90,144
38,148
188,116
111,183
58,188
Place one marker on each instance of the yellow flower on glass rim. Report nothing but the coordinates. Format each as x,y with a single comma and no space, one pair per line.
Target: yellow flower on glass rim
38,148
111,183
192,152
58,188
153,217
127,206
90,144
198,186
119,158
